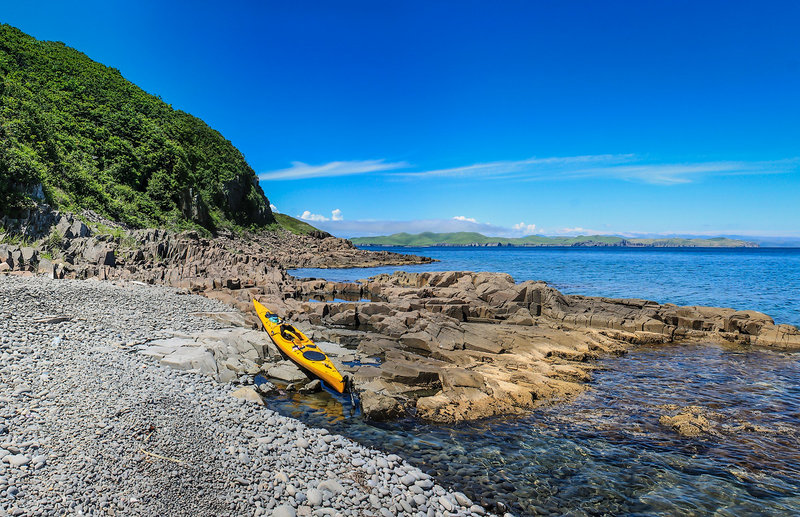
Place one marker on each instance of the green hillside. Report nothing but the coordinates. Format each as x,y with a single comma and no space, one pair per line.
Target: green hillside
94,140
477,239
296,225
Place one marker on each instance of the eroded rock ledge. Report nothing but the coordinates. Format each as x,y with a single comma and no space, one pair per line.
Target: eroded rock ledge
462,345
445,347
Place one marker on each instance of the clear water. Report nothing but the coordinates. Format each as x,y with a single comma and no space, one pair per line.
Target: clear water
606,453
762,279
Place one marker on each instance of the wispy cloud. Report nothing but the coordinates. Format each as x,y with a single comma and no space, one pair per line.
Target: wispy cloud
578,231
626,167
464,218
300,170
523,168
678,173
617,166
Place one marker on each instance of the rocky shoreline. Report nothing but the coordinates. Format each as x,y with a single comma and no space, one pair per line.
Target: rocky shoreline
90,426
102,377
444,347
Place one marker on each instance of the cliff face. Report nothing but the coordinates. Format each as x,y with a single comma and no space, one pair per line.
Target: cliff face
78,135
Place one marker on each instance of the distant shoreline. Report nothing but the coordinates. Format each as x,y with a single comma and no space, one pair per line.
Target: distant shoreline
576,245
474,239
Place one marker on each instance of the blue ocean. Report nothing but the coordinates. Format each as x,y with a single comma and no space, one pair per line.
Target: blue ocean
606,452
762,279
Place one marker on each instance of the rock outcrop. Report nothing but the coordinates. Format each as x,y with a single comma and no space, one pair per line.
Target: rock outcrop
445,346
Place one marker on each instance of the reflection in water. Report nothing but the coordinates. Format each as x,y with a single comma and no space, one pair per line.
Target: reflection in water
606,453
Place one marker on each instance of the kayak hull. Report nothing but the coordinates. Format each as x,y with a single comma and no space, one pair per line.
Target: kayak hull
301,350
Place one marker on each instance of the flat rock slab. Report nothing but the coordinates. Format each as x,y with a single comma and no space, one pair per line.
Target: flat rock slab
287,371
191,358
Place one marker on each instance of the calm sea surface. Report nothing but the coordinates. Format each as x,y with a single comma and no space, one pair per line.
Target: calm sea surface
606,453
762,279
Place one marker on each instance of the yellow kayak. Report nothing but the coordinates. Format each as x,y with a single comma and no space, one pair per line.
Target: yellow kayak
299,348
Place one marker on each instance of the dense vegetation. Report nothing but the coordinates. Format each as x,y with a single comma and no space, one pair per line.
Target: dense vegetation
94,140
477,239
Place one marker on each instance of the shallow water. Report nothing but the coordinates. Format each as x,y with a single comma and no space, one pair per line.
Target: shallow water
762,279
606,453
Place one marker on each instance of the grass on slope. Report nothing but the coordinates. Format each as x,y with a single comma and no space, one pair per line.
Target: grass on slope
295,226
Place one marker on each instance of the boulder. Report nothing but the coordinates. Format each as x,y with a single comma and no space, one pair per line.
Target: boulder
249,394
344,319
311,387
690,421
29,256
379,407
45,267
460,377
412,373
79,229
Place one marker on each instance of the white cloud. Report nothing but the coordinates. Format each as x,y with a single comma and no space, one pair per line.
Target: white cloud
300,170
463,218
274,208
308,216
527,229
336,215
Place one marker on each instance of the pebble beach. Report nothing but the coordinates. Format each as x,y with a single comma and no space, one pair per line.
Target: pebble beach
89,427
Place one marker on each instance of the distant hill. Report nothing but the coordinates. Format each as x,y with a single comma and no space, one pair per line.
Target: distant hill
78,135
476,239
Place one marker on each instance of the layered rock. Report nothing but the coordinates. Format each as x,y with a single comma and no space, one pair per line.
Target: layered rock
446,346
461,345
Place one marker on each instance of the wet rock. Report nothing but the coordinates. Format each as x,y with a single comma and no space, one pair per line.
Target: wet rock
689,421
379,407
311,387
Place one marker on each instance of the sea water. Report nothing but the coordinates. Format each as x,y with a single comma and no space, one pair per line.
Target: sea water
762,279
606,453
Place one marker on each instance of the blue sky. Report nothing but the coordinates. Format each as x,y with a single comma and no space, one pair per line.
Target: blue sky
508,118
